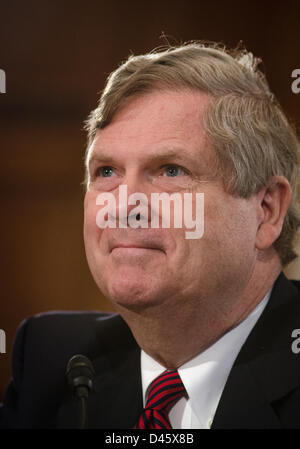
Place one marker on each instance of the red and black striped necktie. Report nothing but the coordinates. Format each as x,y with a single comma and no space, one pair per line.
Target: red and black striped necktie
164,391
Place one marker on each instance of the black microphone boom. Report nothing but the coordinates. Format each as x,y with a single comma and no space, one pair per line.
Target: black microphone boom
80,374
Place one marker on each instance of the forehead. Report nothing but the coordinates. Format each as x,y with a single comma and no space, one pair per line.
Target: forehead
153,122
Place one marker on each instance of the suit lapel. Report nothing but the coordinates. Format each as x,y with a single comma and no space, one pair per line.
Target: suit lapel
266,370
242,405
117,399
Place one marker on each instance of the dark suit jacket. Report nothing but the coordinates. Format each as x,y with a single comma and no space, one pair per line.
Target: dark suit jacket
262,391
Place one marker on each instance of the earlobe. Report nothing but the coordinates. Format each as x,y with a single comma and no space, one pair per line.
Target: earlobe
274,203
266,236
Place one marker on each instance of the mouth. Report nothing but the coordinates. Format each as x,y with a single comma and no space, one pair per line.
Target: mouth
135,254
135,248
135,243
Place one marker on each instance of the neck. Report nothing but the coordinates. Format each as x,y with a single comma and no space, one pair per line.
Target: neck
178,329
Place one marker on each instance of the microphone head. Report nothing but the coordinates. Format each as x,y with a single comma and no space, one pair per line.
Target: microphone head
80,374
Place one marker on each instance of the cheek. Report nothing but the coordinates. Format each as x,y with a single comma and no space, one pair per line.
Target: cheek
230,228
91,230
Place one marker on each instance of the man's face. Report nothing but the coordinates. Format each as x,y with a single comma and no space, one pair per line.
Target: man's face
156,143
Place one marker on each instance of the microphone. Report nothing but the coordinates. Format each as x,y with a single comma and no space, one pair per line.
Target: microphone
80,374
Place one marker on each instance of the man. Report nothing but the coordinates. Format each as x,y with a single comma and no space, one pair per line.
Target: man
207,321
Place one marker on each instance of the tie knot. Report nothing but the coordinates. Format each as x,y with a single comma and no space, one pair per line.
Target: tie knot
164,391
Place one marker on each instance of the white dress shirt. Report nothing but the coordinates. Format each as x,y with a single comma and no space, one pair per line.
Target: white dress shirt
204,377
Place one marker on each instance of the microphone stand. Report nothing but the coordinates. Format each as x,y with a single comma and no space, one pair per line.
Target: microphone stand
80,374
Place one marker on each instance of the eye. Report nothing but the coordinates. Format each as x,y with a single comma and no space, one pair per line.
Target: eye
104,172
173,171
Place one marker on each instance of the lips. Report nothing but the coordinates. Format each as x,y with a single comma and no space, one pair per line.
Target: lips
136,246
139,242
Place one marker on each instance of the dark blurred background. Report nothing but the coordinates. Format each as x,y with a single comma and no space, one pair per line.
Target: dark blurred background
56,56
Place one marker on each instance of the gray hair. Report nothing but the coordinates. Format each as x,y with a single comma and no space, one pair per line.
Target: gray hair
249,132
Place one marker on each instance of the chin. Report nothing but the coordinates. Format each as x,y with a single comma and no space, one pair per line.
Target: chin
132,294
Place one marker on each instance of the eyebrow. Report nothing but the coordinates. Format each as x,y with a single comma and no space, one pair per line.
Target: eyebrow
99,157
179,154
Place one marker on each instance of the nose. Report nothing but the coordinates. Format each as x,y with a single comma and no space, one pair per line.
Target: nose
133,202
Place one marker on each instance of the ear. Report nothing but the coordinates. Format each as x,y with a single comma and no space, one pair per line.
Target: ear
274,201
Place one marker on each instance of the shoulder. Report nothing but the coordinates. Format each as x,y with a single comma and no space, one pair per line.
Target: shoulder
55,323
58,332
43,346
285,292
45,342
